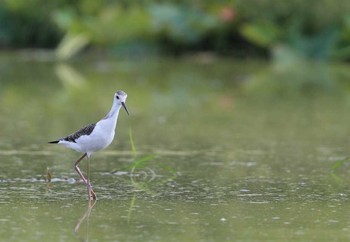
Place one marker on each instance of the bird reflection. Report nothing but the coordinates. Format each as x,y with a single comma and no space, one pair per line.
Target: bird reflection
85,218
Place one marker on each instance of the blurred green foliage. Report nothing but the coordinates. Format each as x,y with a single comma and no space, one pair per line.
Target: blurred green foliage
28,23
313,29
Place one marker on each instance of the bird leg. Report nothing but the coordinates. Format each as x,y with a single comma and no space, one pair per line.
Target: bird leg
77,169
91,193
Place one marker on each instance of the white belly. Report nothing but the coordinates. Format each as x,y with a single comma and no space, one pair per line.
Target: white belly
101,137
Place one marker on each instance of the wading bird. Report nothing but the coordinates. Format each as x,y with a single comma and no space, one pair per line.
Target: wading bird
94,137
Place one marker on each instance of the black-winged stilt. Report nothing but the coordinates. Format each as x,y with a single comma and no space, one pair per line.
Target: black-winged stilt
95,137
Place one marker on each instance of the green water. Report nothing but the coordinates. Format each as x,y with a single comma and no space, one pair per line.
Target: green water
225,150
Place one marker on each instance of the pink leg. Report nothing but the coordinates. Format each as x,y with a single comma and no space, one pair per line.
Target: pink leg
91,193
78,169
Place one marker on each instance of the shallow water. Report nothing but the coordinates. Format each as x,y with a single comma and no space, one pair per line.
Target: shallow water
226,150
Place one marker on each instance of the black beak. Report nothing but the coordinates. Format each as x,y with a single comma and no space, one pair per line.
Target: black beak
124,106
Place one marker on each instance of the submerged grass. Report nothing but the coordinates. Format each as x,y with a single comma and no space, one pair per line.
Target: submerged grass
143,162
138,162
338,164
149,175
133,148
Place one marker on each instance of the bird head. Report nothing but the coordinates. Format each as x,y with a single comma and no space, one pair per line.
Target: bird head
120,97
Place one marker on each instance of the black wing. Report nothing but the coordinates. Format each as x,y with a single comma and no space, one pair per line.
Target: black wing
83,131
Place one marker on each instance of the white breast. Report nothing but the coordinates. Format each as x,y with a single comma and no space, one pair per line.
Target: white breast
101,137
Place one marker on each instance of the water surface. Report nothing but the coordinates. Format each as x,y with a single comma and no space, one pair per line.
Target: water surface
226,150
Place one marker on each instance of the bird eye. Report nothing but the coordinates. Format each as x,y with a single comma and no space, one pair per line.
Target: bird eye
117,97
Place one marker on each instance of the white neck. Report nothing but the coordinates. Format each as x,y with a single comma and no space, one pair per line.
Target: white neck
114,112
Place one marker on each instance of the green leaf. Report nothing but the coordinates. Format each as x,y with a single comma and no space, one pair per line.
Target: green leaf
339,163
263,34
142,162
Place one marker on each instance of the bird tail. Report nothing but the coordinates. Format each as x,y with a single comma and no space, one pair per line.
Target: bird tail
54,142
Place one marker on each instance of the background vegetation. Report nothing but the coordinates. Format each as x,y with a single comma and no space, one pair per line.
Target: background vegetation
310,29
